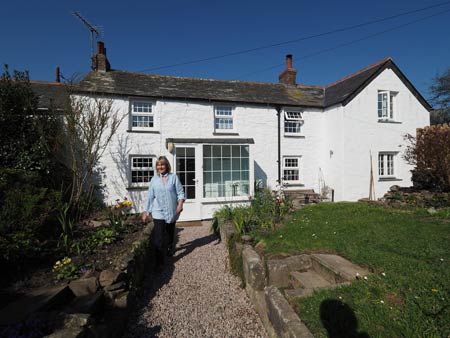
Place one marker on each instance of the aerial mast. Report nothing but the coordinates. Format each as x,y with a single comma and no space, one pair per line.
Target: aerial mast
93,29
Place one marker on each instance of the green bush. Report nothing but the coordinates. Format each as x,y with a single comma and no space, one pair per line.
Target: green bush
24,203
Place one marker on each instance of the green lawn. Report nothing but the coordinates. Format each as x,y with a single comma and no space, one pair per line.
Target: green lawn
408,294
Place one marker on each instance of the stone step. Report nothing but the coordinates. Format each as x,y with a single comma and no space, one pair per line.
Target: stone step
38,300
307,280
293,294
336,269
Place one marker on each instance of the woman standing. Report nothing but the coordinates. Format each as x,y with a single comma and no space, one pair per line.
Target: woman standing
165,203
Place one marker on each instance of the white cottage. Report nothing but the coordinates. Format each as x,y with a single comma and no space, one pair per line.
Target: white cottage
223,136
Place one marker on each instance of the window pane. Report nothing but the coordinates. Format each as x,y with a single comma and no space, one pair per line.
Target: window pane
236,175
190,164
226,164
180,151
190,152
190,192
236,151
226,151
142,121
244,164
216,151
224,111
217,164
207,151
236,164
217,177
207,177
207,164
244,151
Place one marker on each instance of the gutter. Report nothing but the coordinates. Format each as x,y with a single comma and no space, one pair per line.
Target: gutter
278,108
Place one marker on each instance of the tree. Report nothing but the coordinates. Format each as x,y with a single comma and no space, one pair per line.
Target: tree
28,135
440,90
90,123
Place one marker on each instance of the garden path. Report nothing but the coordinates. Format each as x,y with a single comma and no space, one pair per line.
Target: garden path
195,295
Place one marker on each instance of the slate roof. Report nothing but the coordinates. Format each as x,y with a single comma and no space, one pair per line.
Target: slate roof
124,83
127,83
49,93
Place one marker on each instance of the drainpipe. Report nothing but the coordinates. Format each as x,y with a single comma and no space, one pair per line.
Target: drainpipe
278,108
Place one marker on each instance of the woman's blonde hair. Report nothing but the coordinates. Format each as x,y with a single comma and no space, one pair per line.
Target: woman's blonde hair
164,160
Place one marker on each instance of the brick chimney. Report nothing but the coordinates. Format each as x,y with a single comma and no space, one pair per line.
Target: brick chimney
289,75
57,75
100,62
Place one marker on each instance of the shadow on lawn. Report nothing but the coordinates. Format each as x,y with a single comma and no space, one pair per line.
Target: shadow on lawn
339,320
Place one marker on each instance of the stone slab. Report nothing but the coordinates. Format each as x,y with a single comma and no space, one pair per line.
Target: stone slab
38,300
84,286
343,269
292,295
91,304
284,320
254,271
307,280
278,269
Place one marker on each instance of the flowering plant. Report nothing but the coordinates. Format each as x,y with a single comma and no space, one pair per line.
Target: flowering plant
119,212
65,269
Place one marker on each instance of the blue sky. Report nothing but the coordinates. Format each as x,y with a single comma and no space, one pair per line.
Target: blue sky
141,35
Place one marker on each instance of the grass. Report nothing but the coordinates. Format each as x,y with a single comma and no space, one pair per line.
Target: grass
408,294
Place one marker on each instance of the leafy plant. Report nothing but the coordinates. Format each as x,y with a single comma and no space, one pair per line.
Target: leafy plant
99,238
66,223
119,213
65,269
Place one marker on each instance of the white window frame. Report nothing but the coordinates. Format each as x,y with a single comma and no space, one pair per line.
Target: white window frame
132,168
294,117
219,115
389,107
148,114
290,167
387,164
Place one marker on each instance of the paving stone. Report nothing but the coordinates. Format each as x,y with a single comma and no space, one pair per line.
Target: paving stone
337,269
307,280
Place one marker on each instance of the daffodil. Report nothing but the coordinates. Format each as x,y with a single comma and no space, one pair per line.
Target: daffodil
434,290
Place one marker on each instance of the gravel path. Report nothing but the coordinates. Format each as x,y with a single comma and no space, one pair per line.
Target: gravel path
196,295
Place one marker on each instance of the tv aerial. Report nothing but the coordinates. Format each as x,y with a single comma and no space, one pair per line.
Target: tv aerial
95,30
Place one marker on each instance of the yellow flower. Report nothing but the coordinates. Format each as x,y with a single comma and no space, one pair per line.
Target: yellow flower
117,206
434,290
130,203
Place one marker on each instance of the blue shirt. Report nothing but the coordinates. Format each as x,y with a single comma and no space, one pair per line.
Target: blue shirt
163,198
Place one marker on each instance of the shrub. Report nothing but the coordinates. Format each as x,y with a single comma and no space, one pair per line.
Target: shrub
430,153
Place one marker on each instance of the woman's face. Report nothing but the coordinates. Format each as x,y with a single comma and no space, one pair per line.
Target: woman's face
161,167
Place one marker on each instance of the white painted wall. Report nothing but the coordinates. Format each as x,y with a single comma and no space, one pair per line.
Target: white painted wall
334,146
363,133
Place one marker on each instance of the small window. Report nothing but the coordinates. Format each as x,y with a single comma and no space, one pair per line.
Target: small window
142,170
387,105
223,118
386,165
141,115
293,122
291,169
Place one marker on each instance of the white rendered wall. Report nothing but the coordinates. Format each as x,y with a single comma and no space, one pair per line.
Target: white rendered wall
363,133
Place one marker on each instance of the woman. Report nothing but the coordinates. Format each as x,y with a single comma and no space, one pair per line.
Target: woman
165,203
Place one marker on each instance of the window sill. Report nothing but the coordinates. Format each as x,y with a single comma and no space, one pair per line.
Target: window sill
389,121
225,132
389,179
137,188
294,135
148,131
213,200
293,184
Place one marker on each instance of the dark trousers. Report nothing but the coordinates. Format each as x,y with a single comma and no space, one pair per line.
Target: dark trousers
164,235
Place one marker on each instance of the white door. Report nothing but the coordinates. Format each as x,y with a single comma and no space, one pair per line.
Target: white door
187,167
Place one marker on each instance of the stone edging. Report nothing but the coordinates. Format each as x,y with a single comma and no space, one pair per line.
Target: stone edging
115,291
278,317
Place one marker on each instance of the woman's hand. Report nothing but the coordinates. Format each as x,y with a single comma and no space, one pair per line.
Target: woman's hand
179,207
144,217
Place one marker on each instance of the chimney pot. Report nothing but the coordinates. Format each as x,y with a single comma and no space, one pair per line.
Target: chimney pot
289,75
100,47
289,61
58,75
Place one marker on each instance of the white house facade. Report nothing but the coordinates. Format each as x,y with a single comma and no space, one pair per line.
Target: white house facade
223,136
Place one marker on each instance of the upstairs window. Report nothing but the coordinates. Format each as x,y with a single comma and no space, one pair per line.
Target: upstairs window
142,170
141,115
387,105
291,169
386,165
223,118
293,122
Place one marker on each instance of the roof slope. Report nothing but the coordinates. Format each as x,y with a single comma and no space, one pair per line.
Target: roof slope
344,90
50,93
127,83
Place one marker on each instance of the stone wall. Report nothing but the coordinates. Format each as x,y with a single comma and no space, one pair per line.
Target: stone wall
96,305
278,317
